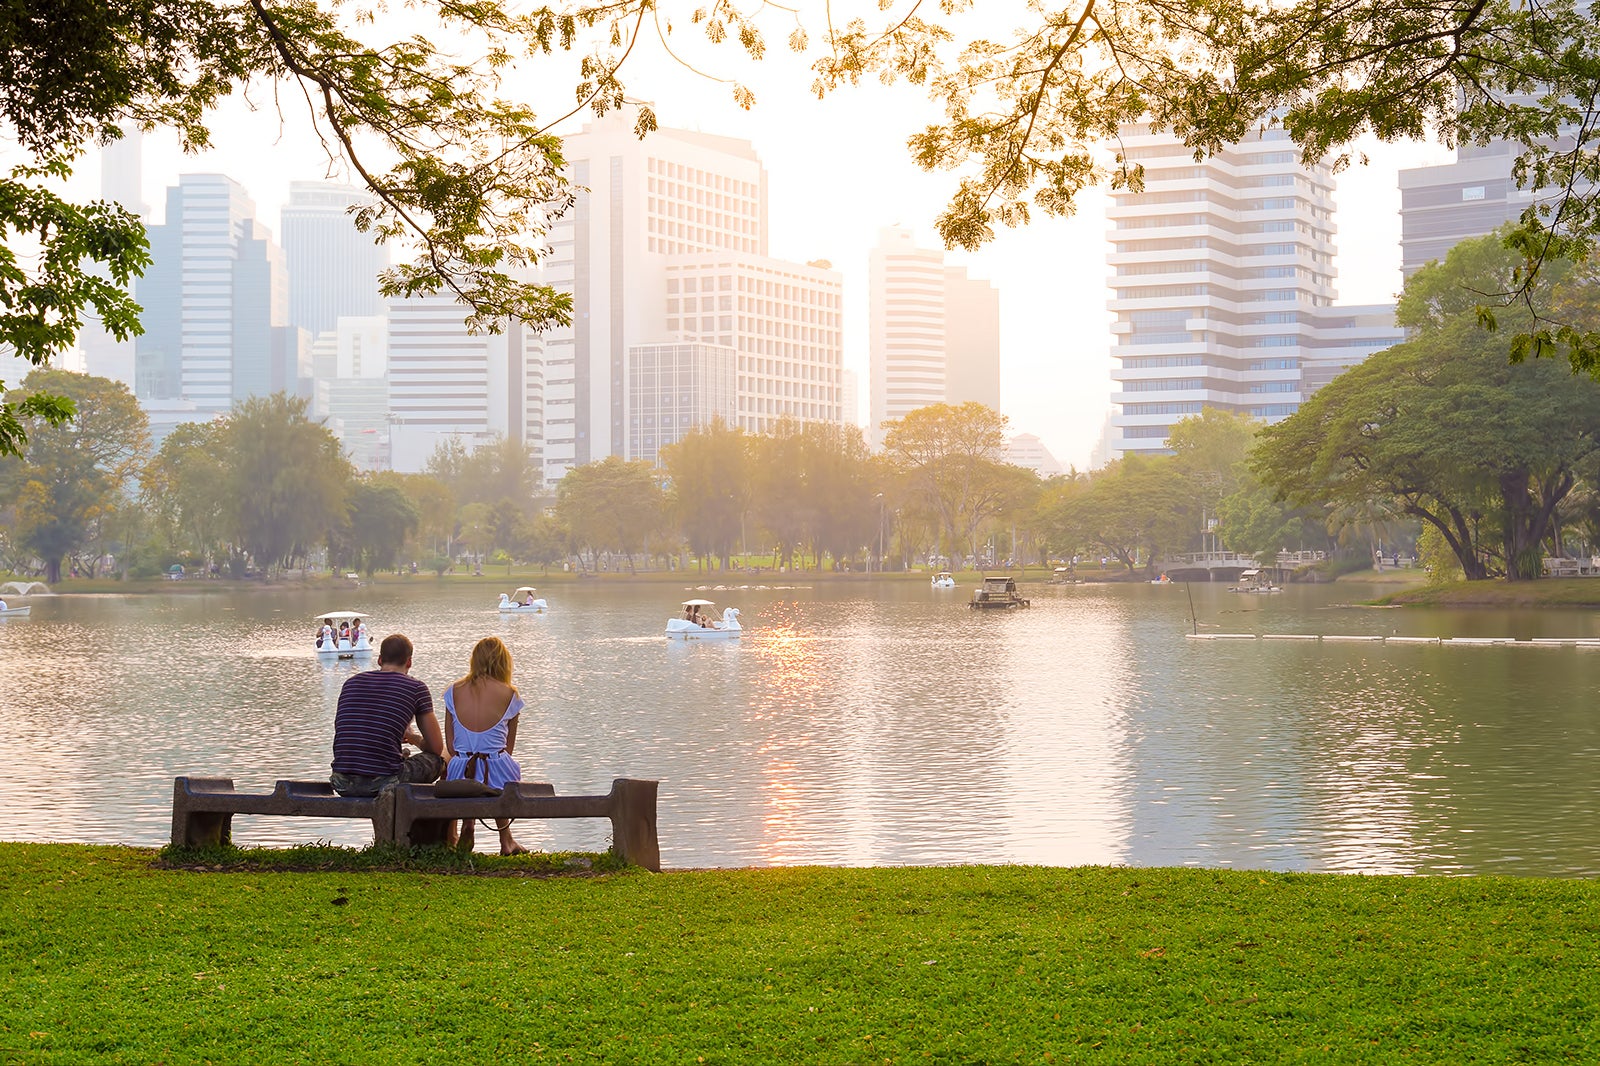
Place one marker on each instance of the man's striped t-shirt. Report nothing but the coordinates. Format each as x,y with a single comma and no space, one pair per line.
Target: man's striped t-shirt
374,709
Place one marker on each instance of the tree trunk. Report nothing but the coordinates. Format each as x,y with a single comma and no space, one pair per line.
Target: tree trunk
1457,536
1528,513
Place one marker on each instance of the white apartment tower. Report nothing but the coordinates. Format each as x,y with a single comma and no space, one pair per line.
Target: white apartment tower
971,340
1222,278
639,203
446,382
934,333
783,319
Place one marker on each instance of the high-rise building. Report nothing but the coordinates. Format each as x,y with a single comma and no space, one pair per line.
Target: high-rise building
971,340
905,327
674,388
214,293
675,197
1220,270
1343,337
851,399
934,332
350,368
446,382
121,182
1442,205
785,320
333,266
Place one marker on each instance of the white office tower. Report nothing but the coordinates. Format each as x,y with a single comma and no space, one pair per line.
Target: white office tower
121,182
1443,205
673,388
905,327
639,204
445,382
850,400
333,267
213,295
971,340
783,319
350,367
934,333
1220,269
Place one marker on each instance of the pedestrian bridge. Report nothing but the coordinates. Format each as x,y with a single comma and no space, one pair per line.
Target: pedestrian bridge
1227,566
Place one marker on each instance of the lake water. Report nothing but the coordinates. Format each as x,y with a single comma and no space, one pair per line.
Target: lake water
868,723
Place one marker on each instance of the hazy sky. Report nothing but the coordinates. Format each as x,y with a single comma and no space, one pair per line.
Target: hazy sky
839,171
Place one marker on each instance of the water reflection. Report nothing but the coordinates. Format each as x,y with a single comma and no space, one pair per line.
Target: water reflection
861,725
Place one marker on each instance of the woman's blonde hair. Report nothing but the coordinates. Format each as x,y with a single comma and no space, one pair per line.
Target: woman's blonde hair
490,658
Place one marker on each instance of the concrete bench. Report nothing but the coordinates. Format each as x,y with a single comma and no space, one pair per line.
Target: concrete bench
203,810
420,817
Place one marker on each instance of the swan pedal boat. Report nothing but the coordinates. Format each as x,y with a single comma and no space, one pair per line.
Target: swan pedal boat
728,628
511,606
341,649
943,580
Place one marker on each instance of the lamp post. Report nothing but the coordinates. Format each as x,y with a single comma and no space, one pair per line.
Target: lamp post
879,498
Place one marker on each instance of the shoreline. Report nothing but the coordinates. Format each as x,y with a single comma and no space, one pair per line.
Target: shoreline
1408,586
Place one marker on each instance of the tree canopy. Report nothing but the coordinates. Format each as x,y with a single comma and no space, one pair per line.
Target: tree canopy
73,475
1445,429
465,178
468,178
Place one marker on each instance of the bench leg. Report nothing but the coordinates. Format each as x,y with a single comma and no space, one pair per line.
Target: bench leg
205,829
383,818
633,823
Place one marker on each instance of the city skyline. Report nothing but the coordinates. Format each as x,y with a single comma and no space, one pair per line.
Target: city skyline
1056,337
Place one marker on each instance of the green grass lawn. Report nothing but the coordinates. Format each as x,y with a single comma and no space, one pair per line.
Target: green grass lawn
107,958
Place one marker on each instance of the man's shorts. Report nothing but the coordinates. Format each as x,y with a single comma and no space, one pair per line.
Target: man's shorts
423,768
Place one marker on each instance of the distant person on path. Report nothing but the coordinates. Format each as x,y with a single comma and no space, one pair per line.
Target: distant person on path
379,710
480,728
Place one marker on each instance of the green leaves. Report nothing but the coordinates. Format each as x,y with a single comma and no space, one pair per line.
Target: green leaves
1446,426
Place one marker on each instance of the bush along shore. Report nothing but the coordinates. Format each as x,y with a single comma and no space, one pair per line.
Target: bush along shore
120,955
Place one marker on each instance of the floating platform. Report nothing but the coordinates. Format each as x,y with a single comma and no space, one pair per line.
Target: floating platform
1457,642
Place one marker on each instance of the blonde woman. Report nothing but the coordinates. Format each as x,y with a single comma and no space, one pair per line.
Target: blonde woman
480,729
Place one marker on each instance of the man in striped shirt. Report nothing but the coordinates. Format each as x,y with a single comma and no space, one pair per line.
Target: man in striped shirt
378,711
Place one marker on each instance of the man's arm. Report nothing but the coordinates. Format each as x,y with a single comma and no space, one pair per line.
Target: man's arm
432,736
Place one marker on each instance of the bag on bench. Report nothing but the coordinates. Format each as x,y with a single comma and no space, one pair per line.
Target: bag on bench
463,788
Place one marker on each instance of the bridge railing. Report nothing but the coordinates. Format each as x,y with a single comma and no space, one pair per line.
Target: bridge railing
1285,560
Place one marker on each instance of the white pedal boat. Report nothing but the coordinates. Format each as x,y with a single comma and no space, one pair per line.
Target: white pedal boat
696,623
334,648
522,601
